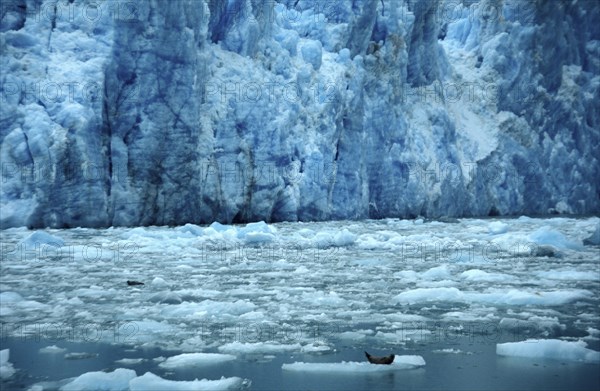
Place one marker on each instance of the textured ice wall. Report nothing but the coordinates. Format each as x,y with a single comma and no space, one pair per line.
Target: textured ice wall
156,112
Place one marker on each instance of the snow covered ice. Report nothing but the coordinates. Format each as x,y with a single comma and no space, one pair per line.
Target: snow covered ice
400,362
195,359
247,194
126,379
553,348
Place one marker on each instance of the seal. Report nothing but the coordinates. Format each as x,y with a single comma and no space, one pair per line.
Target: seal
386,360
130,283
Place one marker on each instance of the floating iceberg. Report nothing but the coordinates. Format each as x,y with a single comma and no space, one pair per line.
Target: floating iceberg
151,382
400,363
52,350
548,236
549,348
594,240
39,238
127,380
118,380
506,297
195,360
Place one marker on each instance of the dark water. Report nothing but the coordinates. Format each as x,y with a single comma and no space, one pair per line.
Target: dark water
482,369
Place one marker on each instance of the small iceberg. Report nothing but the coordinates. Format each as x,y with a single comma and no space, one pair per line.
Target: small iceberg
548,236
116,380
549,348
151,382
593,240
39,238
400,363
195,359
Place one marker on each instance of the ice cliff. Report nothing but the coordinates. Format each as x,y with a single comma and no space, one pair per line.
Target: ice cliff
169,112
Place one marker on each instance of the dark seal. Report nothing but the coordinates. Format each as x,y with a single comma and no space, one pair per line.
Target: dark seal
386,360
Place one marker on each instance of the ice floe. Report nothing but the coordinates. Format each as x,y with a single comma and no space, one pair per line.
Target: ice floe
549,348
594,239
118,380
481,275
151,382
39,238
195,360
507,297
130,361
400,363
52,350
549,236
497,227
127,380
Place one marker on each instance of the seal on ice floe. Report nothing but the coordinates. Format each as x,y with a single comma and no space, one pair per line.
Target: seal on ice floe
380,360
130,283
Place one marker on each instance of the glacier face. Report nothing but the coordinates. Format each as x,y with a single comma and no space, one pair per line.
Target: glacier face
154,112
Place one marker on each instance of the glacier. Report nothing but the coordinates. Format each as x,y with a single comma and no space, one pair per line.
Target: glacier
117,113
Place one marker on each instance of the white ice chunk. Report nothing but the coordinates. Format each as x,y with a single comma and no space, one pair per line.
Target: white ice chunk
39,238
483,276
129,361
110,381
159,282
595,238
52,350
220,227
220,231
518,297
547,235
257,232
511,297
497,227
400,362
328,238
195,360
344,238
539,323
549,348
315,348
209,308
151,382
259,237
430,294
437,273
192,229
